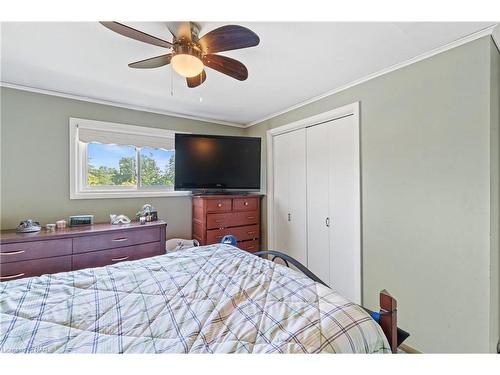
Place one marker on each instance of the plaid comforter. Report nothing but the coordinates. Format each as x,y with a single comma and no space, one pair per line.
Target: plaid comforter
211,299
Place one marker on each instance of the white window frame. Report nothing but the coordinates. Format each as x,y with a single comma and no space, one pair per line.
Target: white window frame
78,163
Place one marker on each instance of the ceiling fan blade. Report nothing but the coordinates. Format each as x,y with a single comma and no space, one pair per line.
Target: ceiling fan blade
196,80
181,30
227,38
136,34
226,65
153,62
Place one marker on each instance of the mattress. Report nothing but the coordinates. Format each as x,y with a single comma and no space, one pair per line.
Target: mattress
210,299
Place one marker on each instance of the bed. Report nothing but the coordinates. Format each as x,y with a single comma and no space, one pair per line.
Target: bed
210,299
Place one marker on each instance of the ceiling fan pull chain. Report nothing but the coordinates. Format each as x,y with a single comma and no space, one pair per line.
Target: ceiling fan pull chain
172,83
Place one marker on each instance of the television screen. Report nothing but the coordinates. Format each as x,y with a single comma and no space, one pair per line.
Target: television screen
208,162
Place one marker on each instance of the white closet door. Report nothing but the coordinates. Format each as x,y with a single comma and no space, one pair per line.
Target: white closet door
297,243
318,243
344,207
280,192
289,215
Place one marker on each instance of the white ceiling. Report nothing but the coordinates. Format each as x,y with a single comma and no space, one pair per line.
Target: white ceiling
294,62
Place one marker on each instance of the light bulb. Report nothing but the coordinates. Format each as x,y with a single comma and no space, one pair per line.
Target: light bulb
187,65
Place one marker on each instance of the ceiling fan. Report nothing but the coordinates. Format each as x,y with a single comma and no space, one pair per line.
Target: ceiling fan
191,53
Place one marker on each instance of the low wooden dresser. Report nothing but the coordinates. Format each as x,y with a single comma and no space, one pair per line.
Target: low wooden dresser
34,254
215,216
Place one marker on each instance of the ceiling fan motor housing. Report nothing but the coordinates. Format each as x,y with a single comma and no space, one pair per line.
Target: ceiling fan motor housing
187,49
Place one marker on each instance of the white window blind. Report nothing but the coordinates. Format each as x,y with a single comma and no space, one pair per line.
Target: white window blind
157,138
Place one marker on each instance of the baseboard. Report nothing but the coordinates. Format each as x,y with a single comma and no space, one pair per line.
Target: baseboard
408,349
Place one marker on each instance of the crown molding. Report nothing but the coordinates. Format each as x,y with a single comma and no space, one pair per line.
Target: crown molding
116,104
496,35
493,30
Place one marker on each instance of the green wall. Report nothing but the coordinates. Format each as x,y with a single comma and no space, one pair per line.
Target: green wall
35,160
425,166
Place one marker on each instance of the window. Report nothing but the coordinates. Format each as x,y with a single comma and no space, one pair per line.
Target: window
114,160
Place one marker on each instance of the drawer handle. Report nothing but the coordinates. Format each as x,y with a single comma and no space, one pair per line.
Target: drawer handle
251,232
250,247
246,203
218,237
219,221
11,276
250,217
119,259
13,252
120,239
219,205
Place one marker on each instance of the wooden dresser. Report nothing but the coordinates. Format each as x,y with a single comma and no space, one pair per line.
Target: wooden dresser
215,216
34,254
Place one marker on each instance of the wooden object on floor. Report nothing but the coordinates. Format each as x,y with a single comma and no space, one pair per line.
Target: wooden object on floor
68,249
388,318
215,216
403,348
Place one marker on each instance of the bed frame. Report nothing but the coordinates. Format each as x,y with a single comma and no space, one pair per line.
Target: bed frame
386,317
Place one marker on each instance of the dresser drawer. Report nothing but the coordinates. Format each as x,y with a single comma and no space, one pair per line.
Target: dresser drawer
218,205
245,204
232,219
115,239
14,252
113,256
248,232
34,267
250,246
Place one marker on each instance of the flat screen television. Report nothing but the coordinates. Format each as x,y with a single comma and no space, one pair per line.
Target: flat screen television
217,163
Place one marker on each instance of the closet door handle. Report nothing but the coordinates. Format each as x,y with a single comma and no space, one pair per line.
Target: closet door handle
327,222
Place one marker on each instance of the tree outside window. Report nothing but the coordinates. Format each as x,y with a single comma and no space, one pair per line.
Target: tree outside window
116,165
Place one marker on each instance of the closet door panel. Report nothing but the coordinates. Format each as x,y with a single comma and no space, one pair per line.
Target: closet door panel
297,246
345,261
318,254
280,192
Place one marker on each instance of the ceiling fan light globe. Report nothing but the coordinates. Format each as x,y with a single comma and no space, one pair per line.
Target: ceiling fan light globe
187,65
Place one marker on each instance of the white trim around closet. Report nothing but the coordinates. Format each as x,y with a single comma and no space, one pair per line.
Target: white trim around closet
347,110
